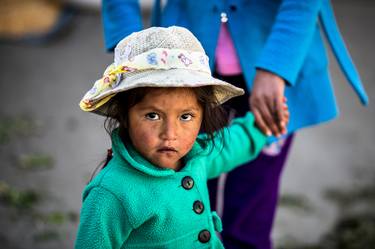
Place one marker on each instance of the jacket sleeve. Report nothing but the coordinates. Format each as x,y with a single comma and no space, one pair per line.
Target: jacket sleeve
290,38
120,18
103,222
241,142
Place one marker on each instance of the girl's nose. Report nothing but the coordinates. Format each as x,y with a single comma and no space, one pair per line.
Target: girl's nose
169,131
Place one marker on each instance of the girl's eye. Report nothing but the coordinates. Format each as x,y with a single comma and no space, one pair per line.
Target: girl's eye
186,117
152,116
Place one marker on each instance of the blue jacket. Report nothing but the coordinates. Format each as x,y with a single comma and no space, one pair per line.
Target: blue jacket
280,36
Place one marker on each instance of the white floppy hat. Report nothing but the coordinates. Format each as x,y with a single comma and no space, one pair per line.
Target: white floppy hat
156,57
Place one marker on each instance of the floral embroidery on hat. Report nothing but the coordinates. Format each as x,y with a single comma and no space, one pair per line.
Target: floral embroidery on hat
128,69
164,56
110,79
185,59
203,60
123,54
93,90
151,59
117,80
88,103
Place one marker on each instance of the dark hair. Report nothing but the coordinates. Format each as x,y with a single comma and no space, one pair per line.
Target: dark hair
214,116
213,121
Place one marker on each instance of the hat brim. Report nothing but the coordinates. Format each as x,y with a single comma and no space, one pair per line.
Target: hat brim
169,78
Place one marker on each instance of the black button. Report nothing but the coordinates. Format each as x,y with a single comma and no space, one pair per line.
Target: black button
233,7
215,9
204,236
198,207
187,182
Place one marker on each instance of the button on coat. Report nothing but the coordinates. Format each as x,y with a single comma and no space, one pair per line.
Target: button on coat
198,207
187,182
204,236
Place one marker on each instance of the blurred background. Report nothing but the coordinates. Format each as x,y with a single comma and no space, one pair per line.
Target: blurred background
51,52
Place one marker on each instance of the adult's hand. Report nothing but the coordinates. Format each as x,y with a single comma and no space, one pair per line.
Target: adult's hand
267,102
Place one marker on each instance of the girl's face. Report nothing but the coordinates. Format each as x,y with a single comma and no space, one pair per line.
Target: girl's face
164,125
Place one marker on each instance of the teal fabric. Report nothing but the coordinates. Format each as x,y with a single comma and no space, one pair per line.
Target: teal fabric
280,36
134,204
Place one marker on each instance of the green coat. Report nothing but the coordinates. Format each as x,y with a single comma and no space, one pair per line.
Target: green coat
134,204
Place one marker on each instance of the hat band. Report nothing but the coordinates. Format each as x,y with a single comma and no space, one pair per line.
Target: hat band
163,58
154,59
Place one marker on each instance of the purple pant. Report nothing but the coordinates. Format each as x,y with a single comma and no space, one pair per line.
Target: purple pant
251,192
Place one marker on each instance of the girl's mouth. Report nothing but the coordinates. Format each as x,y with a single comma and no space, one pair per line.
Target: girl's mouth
166,149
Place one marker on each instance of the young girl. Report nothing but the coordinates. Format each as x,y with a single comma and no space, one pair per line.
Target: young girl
158,96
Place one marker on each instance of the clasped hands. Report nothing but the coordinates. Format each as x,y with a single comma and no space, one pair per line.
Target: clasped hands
268,103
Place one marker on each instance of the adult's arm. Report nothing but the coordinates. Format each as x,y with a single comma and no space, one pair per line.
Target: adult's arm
281,60
290,38
120,18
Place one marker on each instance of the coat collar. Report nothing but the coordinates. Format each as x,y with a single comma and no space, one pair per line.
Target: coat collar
126,153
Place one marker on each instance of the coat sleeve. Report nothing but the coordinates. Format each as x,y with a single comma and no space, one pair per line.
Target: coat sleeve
241,142
120,18
290,38
103,222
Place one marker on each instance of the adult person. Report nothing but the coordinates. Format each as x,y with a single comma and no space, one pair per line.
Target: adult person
278,48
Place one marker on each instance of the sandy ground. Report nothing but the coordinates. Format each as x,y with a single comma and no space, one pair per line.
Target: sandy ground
47,83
